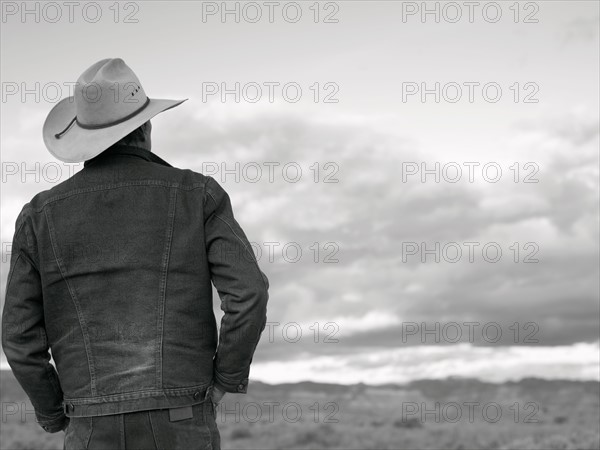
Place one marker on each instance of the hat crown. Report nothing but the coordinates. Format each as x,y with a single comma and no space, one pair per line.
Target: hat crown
107,92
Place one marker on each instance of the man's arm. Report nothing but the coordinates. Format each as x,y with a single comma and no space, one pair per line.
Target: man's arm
24,335
242,287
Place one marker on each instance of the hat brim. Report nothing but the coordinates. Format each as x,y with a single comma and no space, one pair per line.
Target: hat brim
80,144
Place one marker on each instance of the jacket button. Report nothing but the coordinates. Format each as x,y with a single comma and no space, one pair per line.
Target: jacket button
45,428
196,395
241,387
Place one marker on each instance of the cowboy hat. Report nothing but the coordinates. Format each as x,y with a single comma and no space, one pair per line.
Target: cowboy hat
109,102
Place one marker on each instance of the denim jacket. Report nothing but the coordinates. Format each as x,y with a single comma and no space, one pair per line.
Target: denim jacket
111,272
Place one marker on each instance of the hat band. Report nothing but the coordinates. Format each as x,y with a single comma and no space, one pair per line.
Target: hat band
106,125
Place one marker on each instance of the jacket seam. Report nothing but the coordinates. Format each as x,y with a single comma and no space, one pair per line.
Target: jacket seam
47,369
151,183
244,245
25,258
12,270
21,223
30,246
80,318
133,395
229,380
162,295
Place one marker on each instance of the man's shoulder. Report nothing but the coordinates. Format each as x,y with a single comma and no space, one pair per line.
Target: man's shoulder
64,188
37,202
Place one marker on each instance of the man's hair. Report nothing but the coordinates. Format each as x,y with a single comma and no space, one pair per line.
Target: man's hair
140,137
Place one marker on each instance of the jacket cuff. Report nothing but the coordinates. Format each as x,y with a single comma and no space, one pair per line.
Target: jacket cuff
53,424
225,384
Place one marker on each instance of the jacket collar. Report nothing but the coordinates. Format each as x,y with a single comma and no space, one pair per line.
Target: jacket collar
130,150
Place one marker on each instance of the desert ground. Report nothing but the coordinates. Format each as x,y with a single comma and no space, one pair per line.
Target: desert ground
427,414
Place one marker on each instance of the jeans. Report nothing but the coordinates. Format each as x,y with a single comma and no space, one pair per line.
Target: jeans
190,428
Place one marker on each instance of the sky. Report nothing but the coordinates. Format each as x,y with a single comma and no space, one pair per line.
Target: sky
348,197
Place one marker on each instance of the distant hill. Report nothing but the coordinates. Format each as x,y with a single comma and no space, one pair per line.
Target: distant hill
526,414
442,389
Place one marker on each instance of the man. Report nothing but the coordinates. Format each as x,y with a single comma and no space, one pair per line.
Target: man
111,270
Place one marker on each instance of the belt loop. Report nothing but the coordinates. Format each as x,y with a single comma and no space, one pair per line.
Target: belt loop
121,419
208,392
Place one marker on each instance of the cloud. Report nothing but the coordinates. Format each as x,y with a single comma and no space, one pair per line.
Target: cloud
401,365
353,269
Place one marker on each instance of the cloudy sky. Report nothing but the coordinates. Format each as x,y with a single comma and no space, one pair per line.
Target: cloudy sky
342,164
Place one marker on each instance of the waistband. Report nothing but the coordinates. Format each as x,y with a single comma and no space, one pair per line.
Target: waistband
136,401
